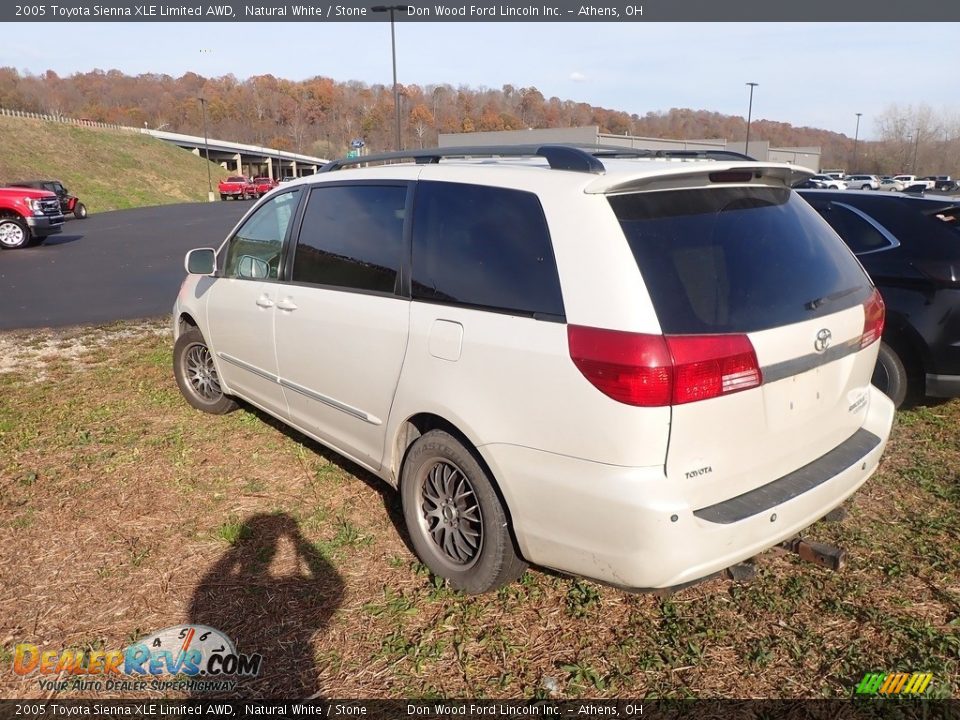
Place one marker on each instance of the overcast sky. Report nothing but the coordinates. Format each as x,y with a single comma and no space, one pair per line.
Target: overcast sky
809,74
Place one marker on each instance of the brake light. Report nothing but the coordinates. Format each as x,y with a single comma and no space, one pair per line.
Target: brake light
873,319
657,370
708,366
731,176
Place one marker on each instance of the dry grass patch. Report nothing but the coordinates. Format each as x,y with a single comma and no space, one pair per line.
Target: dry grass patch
124,511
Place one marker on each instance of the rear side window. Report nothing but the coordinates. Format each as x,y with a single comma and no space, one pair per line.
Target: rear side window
737,259
352,237
483,247
859,235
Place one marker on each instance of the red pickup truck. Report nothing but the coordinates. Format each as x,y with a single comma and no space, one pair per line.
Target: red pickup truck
263,185
28,216
237,187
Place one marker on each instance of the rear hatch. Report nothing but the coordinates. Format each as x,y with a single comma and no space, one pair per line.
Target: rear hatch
771,324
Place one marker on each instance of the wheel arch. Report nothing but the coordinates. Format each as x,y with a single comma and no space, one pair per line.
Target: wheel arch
185,322
909,346
420,424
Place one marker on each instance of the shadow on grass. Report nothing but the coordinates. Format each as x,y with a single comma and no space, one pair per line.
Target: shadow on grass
275,614
389,495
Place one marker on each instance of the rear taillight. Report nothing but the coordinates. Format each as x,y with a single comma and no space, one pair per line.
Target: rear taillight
873,318
658,370
708,366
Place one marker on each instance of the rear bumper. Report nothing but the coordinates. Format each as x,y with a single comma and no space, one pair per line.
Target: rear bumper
43,225
943,386
629,527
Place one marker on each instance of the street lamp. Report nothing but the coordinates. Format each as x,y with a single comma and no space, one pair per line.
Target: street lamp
916,146
746,145
206,146
393,52
856,137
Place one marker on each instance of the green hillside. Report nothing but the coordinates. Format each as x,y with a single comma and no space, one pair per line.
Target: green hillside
107,169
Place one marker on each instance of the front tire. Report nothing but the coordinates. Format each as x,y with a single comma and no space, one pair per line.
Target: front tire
890,375
196,374
456,521
14,233
80,211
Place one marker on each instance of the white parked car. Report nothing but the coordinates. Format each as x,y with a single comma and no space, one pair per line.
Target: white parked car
862,182
637,370
912,181
828,182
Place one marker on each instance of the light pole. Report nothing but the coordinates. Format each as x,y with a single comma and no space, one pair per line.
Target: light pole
206,146
393,52
916,146
856,137
746,145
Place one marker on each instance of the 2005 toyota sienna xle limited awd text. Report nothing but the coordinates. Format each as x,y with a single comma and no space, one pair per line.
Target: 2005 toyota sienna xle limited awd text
638,370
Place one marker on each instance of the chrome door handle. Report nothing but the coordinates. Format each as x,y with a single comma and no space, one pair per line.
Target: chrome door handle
264,302
286,304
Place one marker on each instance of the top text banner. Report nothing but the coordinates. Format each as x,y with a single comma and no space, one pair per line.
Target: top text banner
543,11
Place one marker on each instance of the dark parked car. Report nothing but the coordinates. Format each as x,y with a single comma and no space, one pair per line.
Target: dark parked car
942,182
910,245
68,203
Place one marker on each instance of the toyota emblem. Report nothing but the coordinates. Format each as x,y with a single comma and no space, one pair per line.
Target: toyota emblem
823,340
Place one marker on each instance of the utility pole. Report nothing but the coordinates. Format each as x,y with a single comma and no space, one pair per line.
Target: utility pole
746,145
206,146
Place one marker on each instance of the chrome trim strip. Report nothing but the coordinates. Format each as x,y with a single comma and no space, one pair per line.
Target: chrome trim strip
335,404
248,367
289,385
796,366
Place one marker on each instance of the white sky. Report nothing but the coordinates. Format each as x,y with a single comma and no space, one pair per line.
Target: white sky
809,74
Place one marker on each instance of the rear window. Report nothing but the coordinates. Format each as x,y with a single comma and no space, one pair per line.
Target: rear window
737,259
236,179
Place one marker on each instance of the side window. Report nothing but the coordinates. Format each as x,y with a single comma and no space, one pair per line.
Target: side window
858,233
352,237
483,247
253,253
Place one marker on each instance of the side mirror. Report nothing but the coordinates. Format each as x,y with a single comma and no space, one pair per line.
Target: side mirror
202,261
252,268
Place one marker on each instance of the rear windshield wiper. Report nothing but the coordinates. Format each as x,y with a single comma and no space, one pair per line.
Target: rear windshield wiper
814,304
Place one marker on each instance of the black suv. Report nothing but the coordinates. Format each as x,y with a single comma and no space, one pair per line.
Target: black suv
68,203
911,248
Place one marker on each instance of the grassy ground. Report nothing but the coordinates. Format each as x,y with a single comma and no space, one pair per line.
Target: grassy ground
123,511
106,169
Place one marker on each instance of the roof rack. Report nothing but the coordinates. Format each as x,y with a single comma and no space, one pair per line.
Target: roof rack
621,151
575,157
559,157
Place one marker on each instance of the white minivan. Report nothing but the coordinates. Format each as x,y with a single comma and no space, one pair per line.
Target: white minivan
641,370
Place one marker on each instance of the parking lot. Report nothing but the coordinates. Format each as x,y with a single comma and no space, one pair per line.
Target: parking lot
110,266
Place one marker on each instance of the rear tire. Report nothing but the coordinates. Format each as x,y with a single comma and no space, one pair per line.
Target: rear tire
890,375
80,211
14,233
455,518
196,374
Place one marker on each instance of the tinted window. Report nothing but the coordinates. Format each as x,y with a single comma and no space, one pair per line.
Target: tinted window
352,237
483,247
855,231
261,237
737,259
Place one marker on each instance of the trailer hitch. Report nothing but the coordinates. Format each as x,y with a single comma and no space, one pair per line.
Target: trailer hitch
827,556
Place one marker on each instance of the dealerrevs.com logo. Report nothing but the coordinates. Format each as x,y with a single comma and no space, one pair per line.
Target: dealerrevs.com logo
192,658
894,684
